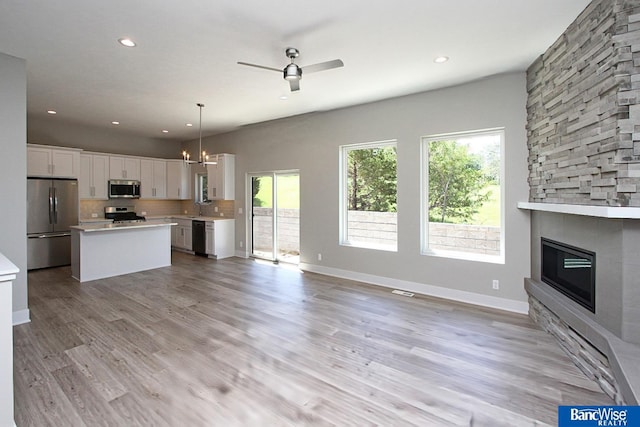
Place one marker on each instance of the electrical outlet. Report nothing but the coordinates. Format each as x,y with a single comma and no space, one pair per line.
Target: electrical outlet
241,243
94,215
221,213
240,211
215,209
143,213
319,257
496,284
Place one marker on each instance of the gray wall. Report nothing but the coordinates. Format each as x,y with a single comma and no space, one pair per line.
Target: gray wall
13,171
54,131
310,144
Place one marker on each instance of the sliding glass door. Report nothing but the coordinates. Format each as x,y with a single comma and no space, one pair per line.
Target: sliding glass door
275,216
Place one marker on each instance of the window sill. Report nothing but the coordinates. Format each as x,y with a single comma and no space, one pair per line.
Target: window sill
361,245
465,256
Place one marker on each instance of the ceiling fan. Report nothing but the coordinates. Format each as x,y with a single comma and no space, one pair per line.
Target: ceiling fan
293,72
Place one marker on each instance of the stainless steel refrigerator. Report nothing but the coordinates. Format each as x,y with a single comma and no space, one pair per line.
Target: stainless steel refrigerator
52,208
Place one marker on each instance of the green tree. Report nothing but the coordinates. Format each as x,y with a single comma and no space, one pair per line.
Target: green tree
372,179
456,181
255,189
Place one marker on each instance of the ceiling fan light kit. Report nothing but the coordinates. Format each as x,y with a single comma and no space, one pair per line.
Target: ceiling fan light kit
293,73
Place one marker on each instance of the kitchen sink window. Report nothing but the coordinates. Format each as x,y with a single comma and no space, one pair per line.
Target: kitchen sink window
201,188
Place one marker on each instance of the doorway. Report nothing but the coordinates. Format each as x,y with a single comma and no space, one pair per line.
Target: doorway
275,216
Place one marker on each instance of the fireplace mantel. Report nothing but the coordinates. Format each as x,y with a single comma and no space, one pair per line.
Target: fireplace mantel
614,212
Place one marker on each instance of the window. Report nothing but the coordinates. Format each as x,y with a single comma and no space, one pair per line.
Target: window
201,188
462,195
368,195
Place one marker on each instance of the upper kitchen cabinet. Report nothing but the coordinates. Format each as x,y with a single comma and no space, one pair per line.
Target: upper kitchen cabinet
221,177
121,167
178,175
153,179
94,174
58,162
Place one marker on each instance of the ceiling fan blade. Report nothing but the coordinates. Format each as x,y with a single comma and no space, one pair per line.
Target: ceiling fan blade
260,66
336,63
294,84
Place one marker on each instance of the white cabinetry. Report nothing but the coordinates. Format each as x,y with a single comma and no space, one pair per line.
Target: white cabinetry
8,273
153,179
55,162
221,177
94,174
181,235
178,174
124,168
220,238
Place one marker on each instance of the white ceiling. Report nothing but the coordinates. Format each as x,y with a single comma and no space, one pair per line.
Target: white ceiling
187,53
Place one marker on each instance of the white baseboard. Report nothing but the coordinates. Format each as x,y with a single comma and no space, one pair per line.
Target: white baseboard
242,254
21,316
513,306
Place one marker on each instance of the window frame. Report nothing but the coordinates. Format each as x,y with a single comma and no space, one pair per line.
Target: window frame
424,197
199,192
343,229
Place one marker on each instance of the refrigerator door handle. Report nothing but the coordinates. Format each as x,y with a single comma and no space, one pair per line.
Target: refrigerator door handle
48,235
55,206
50,205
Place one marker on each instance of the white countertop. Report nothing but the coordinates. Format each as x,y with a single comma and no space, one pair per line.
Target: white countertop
7,268
122,226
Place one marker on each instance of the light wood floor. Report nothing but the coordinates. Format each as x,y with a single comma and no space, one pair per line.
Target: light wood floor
237,343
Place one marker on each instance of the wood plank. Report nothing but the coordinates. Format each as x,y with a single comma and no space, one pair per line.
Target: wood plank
234,342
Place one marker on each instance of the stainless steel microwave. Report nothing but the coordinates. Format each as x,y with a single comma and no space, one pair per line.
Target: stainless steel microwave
124,189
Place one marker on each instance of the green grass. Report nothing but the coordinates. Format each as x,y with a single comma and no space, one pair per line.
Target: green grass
288,191
489,212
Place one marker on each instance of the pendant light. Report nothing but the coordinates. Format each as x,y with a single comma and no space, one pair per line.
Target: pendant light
203,157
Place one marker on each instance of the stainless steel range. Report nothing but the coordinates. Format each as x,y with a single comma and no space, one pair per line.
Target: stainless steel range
122,214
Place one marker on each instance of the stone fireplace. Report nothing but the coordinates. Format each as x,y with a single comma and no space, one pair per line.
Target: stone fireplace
583,135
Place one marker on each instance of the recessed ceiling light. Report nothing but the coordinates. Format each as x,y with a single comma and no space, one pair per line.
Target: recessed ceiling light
284,97
115,123
441,59
127,42
189,125
165,131
52,112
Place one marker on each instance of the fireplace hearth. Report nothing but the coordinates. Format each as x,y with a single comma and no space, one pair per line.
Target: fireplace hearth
570,270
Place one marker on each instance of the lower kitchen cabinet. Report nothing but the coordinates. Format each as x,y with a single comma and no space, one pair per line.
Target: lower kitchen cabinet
220,238
220,235
181,235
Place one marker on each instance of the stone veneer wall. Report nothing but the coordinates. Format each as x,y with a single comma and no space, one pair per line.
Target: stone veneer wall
583,118
589,359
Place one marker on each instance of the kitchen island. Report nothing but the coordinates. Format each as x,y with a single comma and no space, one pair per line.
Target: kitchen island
106,250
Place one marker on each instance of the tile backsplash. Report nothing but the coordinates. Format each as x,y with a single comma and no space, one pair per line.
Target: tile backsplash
225,208
157,207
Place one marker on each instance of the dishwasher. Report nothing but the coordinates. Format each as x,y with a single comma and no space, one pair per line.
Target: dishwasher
199,237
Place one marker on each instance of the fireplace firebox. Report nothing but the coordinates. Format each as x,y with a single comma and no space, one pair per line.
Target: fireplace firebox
571,271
